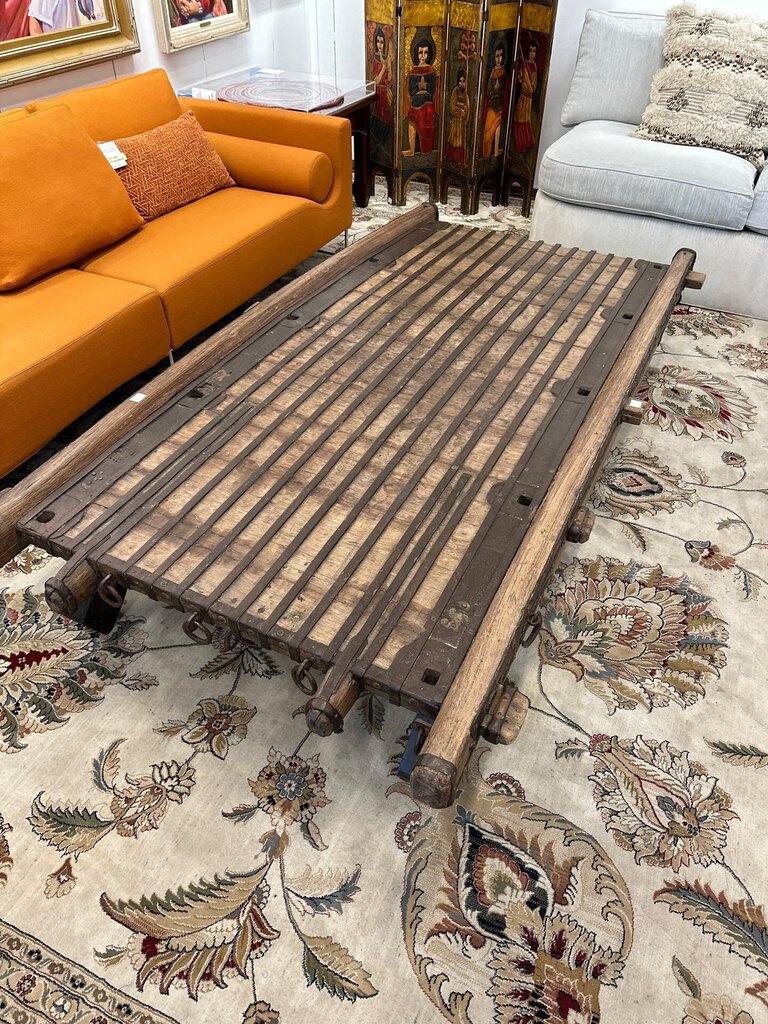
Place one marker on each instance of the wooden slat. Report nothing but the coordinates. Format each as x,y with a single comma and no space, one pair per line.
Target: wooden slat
361,666
215,429
396,457
343,389
511,388
433,644
18,502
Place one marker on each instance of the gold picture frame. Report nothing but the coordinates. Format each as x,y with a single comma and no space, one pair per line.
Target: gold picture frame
202,21
106,29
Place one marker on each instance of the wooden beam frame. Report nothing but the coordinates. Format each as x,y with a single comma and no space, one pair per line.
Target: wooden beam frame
451,738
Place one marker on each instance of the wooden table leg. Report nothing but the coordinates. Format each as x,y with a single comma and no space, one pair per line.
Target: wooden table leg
361,148
102,614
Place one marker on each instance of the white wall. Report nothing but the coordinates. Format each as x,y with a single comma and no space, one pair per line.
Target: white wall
293,34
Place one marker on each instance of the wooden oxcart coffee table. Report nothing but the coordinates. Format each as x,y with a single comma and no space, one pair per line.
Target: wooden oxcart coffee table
372,471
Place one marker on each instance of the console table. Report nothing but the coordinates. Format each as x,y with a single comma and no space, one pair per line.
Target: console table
354,100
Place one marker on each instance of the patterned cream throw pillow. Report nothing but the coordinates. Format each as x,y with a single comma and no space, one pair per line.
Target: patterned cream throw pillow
713,88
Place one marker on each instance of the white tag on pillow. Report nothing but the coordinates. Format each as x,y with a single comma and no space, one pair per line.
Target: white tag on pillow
115,156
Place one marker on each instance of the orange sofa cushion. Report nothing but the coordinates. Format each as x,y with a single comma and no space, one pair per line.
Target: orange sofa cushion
170,166
211,256
12,115
59,198
66,341
318,132
271,168
125,107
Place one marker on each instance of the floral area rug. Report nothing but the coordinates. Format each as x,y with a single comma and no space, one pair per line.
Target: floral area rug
174,847
379,211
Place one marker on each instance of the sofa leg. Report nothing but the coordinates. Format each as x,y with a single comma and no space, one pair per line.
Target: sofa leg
171,359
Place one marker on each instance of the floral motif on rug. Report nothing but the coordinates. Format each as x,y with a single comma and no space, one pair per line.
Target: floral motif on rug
51,668
510,912
695,402
175,847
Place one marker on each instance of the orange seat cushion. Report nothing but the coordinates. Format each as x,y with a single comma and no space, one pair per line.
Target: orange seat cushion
271,168
12,115
170,166
125,107
209,257
59,198
66,342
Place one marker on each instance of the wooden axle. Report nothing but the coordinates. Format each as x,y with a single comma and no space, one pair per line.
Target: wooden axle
73,584
327,710
580,528
505,718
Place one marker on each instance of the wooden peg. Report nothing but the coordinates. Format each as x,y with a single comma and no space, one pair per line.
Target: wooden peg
695,280
506,716
580,527
633,412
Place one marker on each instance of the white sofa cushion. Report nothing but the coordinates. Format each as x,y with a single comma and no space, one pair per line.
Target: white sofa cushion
600,164
618,56
758,215
734,261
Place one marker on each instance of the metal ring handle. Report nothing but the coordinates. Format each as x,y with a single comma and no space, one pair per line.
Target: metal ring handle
198,630
533,625
302,676
109,591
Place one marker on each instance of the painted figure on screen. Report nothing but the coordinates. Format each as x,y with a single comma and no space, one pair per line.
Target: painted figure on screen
522,117
422,91
459,111
381,72
494,102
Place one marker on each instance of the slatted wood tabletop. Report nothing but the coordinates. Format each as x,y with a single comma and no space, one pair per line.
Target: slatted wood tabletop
352,484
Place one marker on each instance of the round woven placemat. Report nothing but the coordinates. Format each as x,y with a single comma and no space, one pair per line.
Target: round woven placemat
286,93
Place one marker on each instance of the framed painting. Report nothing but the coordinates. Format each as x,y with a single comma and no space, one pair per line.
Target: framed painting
182,23
46,37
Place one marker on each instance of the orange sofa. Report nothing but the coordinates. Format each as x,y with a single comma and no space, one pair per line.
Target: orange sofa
69,338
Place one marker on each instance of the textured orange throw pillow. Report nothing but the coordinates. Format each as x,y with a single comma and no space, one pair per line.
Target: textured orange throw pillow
171,166
59,198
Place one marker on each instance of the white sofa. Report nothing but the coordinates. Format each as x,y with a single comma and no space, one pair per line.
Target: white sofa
601,189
